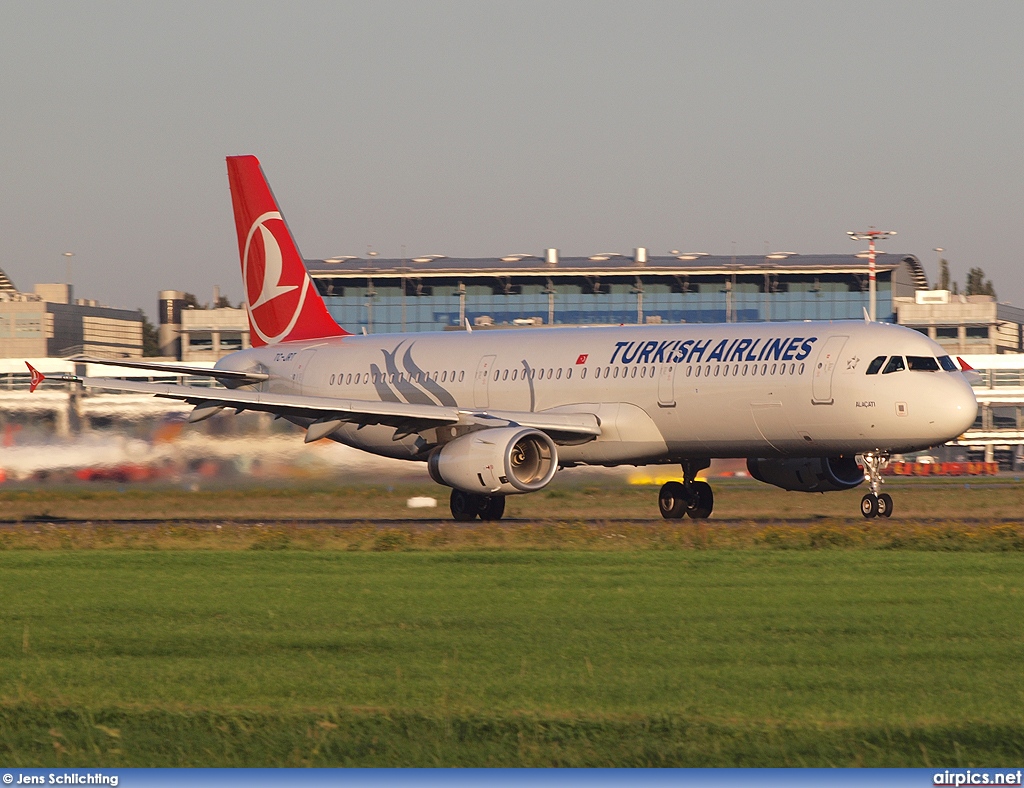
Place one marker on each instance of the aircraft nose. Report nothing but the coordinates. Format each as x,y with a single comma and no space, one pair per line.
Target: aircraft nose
958,407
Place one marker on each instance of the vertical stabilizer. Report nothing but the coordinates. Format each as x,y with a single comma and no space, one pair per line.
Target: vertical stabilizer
281,300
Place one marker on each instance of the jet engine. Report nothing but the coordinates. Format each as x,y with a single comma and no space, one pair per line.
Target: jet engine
807,474
497,461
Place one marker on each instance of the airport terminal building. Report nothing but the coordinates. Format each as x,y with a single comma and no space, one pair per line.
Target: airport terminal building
435,293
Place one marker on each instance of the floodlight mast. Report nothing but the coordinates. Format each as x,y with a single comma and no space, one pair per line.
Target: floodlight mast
871,236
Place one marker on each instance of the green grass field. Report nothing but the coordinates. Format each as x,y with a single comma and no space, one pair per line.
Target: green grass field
636,656
571,496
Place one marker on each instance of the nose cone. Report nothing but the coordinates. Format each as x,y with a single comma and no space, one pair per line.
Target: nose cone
956,407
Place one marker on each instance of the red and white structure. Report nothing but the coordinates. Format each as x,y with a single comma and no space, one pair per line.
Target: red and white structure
871,236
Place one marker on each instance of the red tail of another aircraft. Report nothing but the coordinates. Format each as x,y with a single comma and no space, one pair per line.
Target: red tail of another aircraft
282,302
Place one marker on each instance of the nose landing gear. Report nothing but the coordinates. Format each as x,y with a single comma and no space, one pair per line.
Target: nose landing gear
689,497
873,504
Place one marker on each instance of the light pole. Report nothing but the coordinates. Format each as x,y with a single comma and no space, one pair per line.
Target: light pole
68,256
871,236
938,262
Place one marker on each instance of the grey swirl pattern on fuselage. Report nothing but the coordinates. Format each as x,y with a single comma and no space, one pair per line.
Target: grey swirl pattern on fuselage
406,384
432,386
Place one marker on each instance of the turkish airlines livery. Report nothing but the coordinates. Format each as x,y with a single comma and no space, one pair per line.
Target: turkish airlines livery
495,413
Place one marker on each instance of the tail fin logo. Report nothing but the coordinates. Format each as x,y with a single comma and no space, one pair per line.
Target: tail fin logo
273,304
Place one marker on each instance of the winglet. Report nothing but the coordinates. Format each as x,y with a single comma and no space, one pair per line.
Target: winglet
867,317
964,366
37,377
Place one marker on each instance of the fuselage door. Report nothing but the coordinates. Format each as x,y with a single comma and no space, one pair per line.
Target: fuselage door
299,366
666,396
483,377
824,366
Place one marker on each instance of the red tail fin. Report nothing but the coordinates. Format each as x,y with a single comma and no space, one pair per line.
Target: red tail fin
280,298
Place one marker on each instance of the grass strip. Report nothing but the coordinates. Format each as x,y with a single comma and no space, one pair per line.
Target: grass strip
62,737
944,536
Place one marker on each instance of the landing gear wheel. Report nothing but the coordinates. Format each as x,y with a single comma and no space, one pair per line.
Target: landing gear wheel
465,506
672,501
494,508
873,504
702,501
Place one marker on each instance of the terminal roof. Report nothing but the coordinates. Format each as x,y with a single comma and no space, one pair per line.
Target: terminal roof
616,265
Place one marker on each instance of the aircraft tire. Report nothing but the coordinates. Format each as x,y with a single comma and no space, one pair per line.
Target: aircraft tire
885,505
869,506
703,502
494,508
464,506
672,501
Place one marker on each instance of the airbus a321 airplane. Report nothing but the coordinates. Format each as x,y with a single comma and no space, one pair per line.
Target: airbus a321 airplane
496,413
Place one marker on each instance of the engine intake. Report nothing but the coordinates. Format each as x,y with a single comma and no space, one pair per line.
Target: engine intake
498,461
807,474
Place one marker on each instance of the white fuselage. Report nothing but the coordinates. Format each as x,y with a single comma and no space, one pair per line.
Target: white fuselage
661,393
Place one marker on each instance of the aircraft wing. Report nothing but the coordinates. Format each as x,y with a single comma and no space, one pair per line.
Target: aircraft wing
328,413
238,378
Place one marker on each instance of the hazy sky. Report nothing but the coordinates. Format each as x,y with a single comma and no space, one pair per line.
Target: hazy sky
484,128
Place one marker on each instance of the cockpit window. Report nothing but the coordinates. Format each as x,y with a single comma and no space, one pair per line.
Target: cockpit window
875,365
948,364
895,365
923,363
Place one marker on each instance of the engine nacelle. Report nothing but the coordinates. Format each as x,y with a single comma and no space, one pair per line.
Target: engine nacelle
807,474
499,461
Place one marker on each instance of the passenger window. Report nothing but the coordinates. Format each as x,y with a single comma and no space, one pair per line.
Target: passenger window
895,365
948,364
875,365
922,363
462,375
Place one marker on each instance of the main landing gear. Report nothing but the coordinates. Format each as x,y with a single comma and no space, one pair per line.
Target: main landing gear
688,497
873,504
468,506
